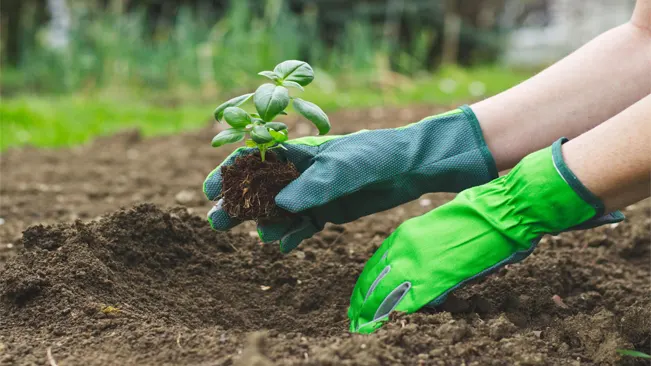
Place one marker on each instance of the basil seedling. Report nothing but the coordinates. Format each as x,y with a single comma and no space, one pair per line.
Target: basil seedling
270,100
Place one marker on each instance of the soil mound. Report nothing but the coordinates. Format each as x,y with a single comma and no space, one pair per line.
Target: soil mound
170,267
151,286
154,286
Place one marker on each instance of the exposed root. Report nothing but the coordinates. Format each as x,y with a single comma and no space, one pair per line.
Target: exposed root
50,359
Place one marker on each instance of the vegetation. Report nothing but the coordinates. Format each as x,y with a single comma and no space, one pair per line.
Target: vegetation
115,73
633,353
66,120
270,101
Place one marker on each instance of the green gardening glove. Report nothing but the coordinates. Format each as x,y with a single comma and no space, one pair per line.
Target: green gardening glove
481,230
346,177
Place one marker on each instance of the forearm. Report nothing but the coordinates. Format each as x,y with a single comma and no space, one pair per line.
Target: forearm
613,160
572,96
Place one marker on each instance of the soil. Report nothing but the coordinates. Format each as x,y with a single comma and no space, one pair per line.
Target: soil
85,282
250,186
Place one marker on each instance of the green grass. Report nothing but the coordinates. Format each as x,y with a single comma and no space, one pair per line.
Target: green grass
74,119
216,50
633,353
118,73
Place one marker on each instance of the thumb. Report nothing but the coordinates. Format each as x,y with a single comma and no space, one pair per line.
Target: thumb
311,189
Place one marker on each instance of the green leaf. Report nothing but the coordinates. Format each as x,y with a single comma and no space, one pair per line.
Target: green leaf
283,113
315,114
250,143
261,135
633,353
280,136
219,112
255,115
271,75
270,100
293,70
227,137
293,84
276,126
237,117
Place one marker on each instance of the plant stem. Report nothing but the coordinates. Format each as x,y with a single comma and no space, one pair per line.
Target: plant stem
263,151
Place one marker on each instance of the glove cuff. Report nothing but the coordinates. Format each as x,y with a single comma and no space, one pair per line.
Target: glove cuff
481,143
582,191
571,179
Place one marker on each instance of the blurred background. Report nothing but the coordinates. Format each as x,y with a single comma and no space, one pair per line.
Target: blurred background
73,69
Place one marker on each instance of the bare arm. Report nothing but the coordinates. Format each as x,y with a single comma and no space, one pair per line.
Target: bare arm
613,160
589,86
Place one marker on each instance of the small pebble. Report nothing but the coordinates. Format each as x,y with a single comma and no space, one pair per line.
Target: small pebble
425,202
264,288
559,302
9,246
2,221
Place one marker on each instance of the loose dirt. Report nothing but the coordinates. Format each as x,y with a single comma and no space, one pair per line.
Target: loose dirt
151,284
250,186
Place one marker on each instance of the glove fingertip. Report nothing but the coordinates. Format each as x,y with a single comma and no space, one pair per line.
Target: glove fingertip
289,244
293,238
219,219
212,186
272,232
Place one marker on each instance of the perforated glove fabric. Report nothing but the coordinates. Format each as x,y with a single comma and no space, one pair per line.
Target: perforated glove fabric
481,230
346,177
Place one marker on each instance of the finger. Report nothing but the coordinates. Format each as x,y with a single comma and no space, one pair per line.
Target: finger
302,156
387,294
331,181
309,190
358,204
212,186
275,231
291,239
219,219
374,270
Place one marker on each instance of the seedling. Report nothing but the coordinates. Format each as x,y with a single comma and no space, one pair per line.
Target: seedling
270,100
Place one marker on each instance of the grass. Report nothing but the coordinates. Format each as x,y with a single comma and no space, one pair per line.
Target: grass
56,121
218,50
633,353
117,72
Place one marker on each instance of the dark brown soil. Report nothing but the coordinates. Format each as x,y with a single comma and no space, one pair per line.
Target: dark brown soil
154,285
250,186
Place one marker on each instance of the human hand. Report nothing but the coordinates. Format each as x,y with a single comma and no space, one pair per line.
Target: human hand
481,230
346,177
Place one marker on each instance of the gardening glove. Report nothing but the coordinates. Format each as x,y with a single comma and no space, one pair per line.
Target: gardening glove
346,177
481,230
